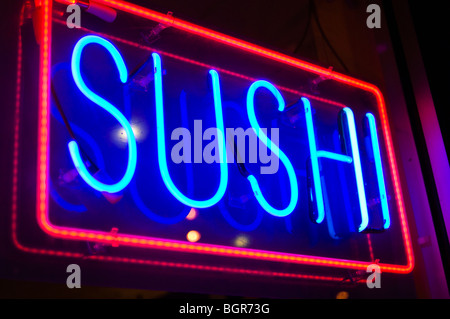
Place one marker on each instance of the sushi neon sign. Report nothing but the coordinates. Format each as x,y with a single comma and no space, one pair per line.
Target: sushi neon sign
42,207
352,157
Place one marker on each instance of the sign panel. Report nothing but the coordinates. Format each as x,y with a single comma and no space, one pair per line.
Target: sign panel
183,147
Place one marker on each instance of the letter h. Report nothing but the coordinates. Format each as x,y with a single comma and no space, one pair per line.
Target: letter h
352,157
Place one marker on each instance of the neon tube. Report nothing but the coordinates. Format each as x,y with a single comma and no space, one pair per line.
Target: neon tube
286,60
152,215
274,148
379,170
314,162
62,202
343,178
73,146
205,65
357,166
45,39
234,223
354,158
109,258
162,157
335,157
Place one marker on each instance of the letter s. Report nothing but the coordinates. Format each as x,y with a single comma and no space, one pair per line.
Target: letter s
73,146
283,158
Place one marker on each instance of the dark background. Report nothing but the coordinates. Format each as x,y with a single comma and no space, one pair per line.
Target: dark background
433,33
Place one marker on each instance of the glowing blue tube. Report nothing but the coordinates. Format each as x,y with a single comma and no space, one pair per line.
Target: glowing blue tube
247,228
152,215
345,195
274,148
358,170
63,203
379,170
335,157
73,146
161,141
354,158
314,162
328,215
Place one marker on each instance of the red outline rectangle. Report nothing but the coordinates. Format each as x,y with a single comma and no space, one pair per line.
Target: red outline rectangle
150,242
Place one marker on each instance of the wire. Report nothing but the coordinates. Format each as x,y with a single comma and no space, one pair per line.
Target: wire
316,17
92,166
305,32
237,156
61,112
138,69
312,13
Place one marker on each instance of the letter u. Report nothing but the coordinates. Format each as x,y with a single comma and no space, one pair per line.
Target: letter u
161,141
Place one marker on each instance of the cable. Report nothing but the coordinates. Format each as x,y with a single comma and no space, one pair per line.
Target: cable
316,17
305,32
92,167
237,156
312,12
61,112
138,68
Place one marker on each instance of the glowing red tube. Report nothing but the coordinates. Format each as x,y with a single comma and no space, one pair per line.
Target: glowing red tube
207,66
149,242
49,252
17,126
369,242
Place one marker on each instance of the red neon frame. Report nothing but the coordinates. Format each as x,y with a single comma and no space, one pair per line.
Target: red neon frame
67,254
49,252
150,242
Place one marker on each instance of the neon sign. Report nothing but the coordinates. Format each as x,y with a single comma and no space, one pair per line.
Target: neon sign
316,196
255,205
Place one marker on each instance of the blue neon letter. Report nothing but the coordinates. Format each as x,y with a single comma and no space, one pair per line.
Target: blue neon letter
73,146
379,169
352,158
161,141
274,148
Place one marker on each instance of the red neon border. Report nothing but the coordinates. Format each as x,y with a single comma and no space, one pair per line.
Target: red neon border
207,66
67,254
150,242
